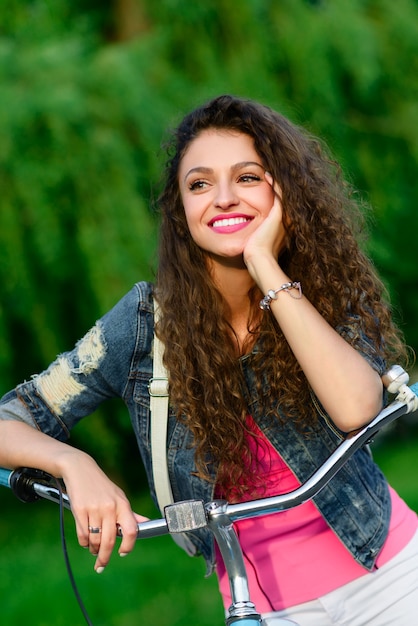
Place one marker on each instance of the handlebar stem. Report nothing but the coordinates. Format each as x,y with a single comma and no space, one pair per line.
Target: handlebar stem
229,546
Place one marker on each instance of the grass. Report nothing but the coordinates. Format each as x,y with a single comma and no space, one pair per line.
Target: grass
157,583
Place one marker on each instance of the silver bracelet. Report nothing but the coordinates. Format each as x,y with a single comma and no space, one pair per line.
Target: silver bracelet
272,294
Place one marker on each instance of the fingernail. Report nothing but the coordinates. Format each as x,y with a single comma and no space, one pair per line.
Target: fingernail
123,553
99,570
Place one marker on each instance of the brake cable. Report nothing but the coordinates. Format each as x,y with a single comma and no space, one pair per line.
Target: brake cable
66,555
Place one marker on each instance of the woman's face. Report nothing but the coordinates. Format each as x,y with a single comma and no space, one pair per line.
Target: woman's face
224,192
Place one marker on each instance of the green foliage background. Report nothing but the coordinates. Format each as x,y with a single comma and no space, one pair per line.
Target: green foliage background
87,93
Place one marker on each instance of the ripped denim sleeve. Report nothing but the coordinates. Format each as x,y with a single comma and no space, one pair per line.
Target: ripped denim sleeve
78,381
72,374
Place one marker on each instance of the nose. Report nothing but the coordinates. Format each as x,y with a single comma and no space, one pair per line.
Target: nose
225,195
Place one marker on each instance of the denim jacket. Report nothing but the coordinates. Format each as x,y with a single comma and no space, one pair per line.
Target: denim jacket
115,359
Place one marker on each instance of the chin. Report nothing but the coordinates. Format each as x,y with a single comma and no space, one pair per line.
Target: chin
235,259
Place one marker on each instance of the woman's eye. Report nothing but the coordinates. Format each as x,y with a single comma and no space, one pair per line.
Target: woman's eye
197,185
249,178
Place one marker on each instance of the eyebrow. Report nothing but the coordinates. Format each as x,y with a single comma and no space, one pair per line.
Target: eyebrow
208,170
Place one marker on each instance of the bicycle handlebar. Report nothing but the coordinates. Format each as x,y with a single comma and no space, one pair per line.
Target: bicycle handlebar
218,515
30,485
189,511
4,477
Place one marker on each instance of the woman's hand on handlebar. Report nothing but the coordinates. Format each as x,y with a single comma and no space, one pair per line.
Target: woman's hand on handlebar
99,508
96,502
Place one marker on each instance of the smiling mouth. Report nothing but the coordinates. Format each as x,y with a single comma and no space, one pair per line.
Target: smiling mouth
230,221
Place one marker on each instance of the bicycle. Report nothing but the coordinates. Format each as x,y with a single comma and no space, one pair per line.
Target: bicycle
32,484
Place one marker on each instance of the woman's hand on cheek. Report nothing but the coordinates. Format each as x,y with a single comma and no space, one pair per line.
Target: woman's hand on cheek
268,239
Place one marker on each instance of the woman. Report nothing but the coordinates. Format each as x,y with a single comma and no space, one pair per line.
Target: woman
276,335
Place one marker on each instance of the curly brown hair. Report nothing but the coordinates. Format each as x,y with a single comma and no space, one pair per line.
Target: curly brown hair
324,220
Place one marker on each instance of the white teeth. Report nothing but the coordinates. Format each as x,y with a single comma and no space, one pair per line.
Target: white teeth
229,221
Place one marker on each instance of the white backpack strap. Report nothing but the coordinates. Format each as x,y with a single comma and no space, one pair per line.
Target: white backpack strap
158,390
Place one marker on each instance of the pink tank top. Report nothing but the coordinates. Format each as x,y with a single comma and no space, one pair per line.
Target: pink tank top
293,556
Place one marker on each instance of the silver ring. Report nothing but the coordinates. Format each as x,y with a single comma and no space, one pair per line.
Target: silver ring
95,530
